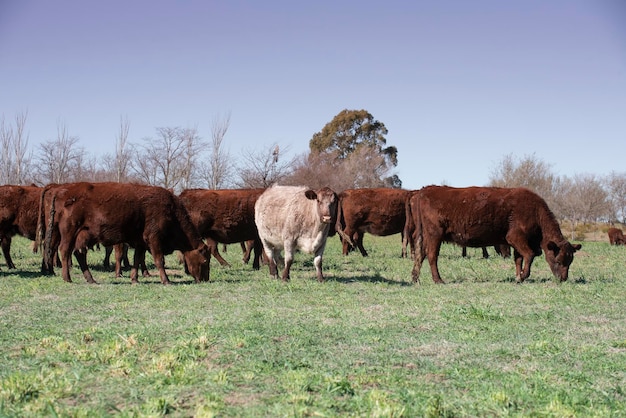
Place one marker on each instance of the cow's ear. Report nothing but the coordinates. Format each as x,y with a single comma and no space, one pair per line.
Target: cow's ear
552,246
577,247
310,194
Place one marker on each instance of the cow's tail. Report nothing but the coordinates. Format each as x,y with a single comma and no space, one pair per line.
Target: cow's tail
340,223
41,222
414,234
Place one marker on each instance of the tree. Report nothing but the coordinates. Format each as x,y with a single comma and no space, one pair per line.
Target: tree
582,199
118,165
16,162
59,159
169,160
615,184
529,171
220,167
355,138
264,168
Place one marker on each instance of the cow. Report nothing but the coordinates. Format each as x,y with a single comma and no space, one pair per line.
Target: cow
378,211
18,216
294,217
616,236
121,259
152,218
226,216
485,216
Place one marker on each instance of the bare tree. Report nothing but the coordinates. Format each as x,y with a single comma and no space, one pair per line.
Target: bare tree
117,166
615,184
58,159
529,171
582,199
218,172
16,161
168,160
264,168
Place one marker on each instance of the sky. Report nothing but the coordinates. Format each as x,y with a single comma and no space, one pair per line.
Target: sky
459,84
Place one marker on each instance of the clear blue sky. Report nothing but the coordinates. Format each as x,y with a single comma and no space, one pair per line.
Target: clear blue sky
459,84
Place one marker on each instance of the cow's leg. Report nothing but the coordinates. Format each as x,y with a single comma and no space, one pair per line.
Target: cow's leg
159,261
524,255
81,257
138,258
485,253
358,240
119,255
212,244
432,251
66,261
246,247
464,252
258,251
289,250
106,262
317,262
6,250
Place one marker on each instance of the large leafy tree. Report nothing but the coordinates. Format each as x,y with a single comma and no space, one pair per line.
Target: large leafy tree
356,139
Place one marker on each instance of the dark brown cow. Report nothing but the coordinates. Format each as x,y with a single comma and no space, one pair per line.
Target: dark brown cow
378,211
485,216
81,215
616,236
225,216
18,215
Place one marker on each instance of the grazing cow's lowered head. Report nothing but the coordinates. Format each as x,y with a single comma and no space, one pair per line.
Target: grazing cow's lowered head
326,204
197,262
560,256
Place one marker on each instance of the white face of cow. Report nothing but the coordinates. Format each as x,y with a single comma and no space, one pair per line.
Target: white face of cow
326,204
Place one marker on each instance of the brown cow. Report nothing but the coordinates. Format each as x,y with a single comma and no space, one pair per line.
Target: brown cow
378,211
81,215
226,216
18,215
616,236
485,216
293,217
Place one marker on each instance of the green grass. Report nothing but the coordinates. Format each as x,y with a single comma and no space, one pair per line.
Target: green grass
365,343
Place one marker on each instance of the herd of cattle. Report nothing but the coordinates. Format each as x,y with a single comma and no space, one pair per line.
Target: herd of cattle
66,219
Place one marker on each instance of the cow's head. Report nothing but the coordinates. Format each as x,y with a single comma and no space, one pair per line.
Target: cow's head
197,262
560,256
326,204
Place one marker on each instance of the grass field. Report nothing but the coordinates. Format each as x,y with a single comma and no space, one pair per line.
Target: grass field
365,343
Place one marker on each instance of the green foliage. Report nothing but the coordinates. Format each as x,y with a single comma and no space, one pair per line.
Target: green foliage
365,343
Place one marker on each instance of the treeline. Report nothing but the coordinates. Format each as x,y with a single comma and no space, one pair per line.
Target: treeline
349,152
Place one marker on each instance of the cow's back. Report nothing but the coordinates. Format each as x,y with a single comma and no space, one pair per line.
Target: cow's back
379,211
283,212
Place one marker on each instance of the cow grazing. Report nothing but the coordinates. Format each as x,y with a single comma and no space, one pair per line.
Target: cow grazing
616,236
80,215
378,211
291,218
485,216
225,216
18,216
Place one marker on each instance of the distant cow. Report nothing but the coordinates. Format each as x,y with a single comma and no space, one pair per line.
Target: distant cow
18,215
616,236
378,211
291,218
226,216
81,215
485,216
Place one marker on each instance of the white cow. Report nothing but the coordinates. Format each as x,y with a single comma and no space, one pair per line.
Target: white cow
294,218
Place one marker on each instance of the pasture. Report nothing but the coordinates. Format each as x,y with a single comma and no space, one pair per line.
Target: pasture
367,342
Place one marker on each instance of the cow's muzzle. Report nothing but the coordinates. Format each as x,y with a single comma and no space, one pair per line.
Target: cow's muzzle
326,219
